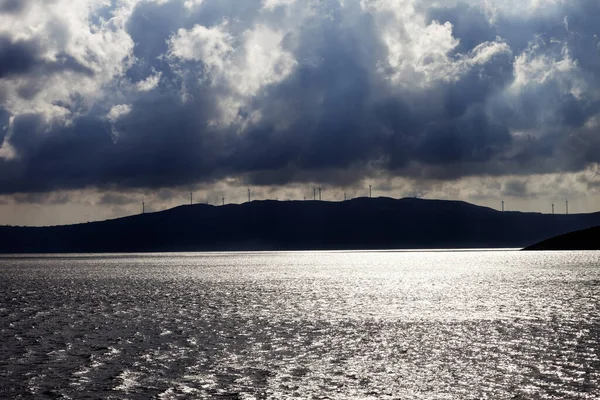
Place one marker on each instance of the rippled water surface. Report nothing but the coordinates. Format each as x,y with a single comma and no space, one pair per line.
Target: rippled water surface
343,325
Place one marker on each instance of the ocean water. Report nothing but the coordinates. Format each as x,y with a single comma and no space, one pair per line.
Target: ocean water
309,325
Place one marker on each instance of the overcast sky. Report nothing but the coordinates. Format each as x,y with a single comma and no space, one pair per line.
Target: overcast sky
105,104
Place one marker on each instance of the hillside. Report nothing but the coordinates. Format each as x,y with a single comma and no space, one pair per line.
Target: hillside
363,223
586,239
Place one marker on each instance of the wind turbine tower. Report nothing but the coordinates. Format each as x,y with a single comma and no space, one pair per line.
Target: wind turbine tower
314,194
143,207
191,198
502,205
370,191
249,195
223,198
552,208
567,206
319,193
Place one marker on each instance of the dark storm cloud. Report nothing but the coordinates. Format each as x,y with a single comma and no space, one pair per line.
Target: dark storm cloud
335,118
42,198
328,104
472,137
150,27
12,6
115,199
4,124
515,188
165,141
16,57
22,57
159,145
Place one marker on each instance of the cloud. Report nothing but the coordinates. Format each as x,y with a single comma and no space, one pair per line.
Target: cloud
515,188
118,112
158,94
115,199
12,6
150,83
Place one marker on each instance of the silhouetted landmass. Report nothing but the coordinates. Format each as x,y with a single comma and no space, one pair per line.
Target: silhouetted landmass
586,239
363,223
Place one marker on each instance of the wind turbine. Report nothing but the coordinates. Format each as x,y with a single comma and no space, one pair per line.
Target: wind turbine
249,195
370,191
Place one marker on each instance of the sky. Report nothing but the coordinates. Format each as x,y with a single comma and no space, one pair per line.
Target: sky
108,103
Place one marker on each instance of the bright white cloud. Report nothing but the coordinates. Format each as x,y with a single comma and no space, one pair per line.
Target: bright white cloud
211,46
117,112
272,4
150,83
420,53
59,29
189,4
417,51
535,66
241,65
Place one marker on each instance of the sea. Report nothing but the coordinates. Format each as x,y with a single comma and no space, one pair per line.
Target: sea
499,324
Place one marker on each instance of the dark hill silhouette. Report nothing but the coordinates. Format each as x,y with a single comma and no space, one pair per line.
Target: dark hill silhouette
363,223
586,239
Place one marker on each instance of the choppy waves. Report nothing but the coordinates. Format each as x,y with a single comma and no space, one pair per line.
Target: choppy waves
499,325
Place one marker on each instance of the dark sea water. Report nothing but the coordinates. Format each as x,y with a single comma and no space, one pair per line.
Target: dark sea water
314,325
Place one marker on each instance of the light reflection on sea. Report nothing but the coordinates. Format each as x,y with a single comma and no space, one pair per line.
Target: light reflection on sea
398,325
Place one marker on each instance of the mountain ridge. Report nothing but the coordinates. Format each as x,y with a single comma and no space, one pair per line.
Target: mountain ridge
361,224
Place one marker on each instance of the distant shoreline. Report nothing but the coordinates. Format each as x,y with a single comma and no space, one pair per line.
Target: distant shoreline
195,253
358,224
